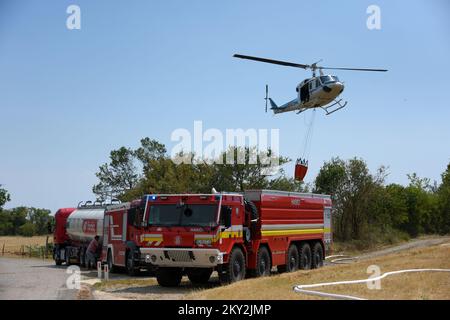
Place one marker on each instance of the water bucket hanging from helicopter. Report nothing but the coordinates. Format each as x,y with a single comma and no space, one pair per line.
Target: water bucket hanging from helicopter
301,165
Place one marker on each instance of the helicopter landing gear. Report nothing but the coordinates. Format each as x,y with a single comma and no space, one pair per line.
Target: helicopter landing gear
337,102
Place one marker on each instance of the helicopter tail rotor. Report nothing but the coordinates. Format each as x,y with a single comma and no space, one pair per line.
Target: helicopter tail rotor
267,95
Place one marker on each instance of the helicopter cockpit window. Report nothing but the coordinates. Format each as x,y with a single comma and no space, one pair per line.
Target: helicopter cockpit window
326,79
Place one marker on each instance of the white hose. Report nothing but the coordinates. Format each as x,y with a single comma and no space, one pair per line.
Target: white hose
301,288
341,259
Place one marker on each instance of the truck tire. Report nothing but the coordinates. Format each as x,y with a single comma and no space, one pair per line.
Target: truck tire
130,264
199,276
263,263
292,260
317,256
58,261
169,277
235,269
67,258
305,256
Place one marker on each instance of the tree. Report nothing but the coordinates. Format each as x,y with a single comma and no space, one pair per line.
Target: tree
4,197
40,219
28,229
351,186
443,194
118,176
150,150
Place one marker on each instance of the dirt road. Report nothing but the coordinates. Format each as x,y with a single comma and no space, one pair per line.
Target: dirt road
33,279
414,243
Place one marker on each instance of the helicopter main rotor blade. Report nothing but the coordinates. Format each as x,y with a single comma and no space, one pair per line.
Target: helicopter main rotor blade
353,69
279,62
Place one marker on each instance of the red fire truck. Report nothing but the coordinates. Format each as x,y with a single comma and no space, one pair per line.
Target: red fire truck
119,227
237,234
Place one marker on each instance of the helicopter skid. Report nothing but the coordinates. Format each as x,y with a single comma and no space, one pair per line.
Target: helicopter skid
338,102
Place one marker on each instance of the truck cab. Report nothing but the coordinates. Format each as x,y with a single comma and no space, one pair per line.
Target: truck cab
123,232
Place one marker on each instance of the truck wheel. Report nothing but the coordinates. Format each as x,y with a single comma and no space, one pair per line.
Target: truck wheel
130,265
67,256
305,256
199,276
109,261
58,261
235,269
263,264
169,277
317,256
293,259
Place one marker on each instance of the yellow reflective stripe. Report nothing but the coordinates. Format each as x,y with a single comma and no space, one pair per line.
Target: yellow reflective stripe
291,232
152,239
327,230
228,234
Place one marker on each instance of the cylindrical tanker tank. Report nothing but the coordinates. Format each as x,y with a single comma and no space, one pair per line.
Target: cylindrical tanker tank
85,223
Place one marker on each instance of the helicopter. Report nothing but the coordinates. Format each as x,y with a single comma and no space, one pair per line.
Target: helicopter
316,92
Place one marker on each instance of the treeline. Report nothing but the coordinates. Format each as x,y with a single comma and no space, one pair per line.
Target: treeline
23,221
366,209
149,169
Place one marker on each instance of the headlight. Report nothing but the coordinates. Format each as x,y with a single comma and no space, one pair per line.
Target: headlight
204,242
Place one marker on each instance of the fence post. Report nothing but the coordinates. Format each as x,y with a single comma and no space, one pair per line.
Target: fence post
30,250
22,251
46,247
99,269
106,269
3,249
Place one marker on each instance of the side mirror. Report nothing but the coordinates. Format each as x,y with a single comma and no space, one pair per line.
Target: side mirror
226,213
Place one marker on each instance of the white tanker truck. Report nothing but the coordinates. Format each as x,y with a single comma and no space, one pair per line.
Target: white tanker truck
75,229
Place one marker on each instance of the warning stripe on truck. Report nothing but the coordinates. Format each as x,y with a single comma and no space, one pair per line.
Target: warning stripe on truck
293,229
292,232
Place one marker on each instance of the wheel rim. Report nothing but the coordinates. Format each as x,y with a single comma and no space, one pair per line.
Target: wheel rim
292,262
262,267
236,268
306,261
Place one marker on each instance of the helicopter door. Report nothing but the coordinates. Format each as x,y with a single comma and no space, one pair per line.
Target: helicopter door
304,93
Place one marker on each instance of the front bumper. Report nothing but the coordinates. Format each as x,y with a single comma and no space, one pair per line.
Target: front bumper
182,257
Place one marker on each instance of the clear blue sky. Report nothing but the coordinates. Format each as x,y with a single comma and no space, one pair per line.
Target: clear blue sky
145,68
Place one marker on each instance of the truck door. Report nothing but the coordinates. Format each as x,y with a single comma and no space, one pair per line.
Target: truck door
327,235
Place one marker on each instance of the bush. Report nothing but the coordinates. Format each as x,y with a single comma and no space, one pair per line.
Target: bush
27,230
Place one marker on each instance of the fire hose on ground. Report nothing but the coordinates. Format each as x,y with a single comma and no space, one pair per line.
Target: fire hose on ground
344,259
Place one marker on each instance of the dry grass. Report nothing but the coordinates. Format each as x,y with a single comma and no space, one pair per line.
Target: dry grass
405,286
120,284
13,244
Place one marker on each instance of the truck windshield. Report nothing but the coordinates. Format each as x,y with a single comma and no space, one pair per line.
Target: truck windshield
185,215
